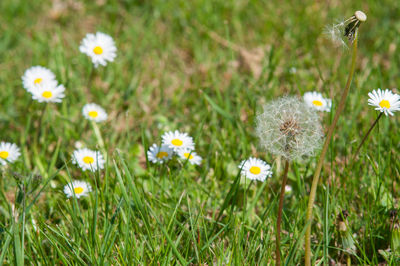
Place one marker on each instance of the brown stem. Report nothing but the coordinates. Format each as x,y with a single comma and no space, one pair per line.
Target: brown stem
366,136
279,219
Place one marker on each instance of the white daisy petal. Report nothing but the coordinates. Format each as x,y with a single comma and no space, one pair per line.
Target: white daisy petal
38,75
189,155
99,47
46,92
9,152
94,112
255,169
315,100
177,140
88,159
77,188
157,154
384,101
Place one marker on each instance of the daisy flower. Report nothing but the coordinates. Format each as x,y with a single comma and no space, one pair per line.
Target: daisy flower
9,152
88,159
177,140
315,100
38,75
191,156
384,101
255,169
99,47
48,93
157,154
77,188
94,112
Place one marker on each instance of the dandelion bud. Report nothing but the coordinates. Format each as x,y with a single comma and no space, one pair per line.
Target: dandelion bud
345,233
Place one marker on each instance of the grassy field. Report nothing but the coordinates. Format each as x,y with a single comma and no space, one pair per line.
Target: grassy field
205,68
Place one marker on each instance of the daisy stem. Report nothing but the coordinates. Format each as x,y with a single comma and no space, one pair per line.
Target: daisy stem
279,219
329,135
90,78
99,138
366,136
40,127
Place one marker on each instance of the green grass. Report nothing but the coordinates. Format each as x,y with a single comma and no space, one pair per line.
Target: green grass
172,72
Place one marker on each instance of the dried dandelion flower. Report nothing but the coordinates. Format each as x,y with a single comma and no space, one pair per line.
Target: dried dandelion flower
346,28
289,128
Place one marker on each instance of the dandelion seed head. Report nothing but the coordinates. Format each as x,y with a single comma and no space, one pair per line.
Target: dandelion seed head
347,28
289,128
335,33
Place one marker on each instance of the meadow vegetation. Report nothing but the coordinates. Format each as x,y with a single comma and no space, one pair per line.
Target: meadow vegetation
205,68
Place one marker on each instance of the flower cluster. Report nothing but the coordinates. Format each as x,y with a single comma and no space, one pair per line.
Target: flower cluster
101,48
41,83
174,143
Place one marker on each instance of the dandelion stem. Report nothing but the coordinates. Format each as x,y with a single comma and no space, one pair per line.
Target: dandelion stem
279,219
366,136
324,151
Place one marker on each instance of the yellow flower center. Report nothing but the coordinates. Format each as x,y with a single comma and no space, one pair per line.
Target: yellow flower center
37,81
162,154
255,170
384,104
47,94
186,154
177,142
88,159
4,154
97,50
317,103
78,190
93,114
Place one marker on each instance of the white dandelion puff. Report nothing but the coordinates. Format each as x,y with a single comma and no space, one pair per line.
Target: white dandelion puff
289,128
